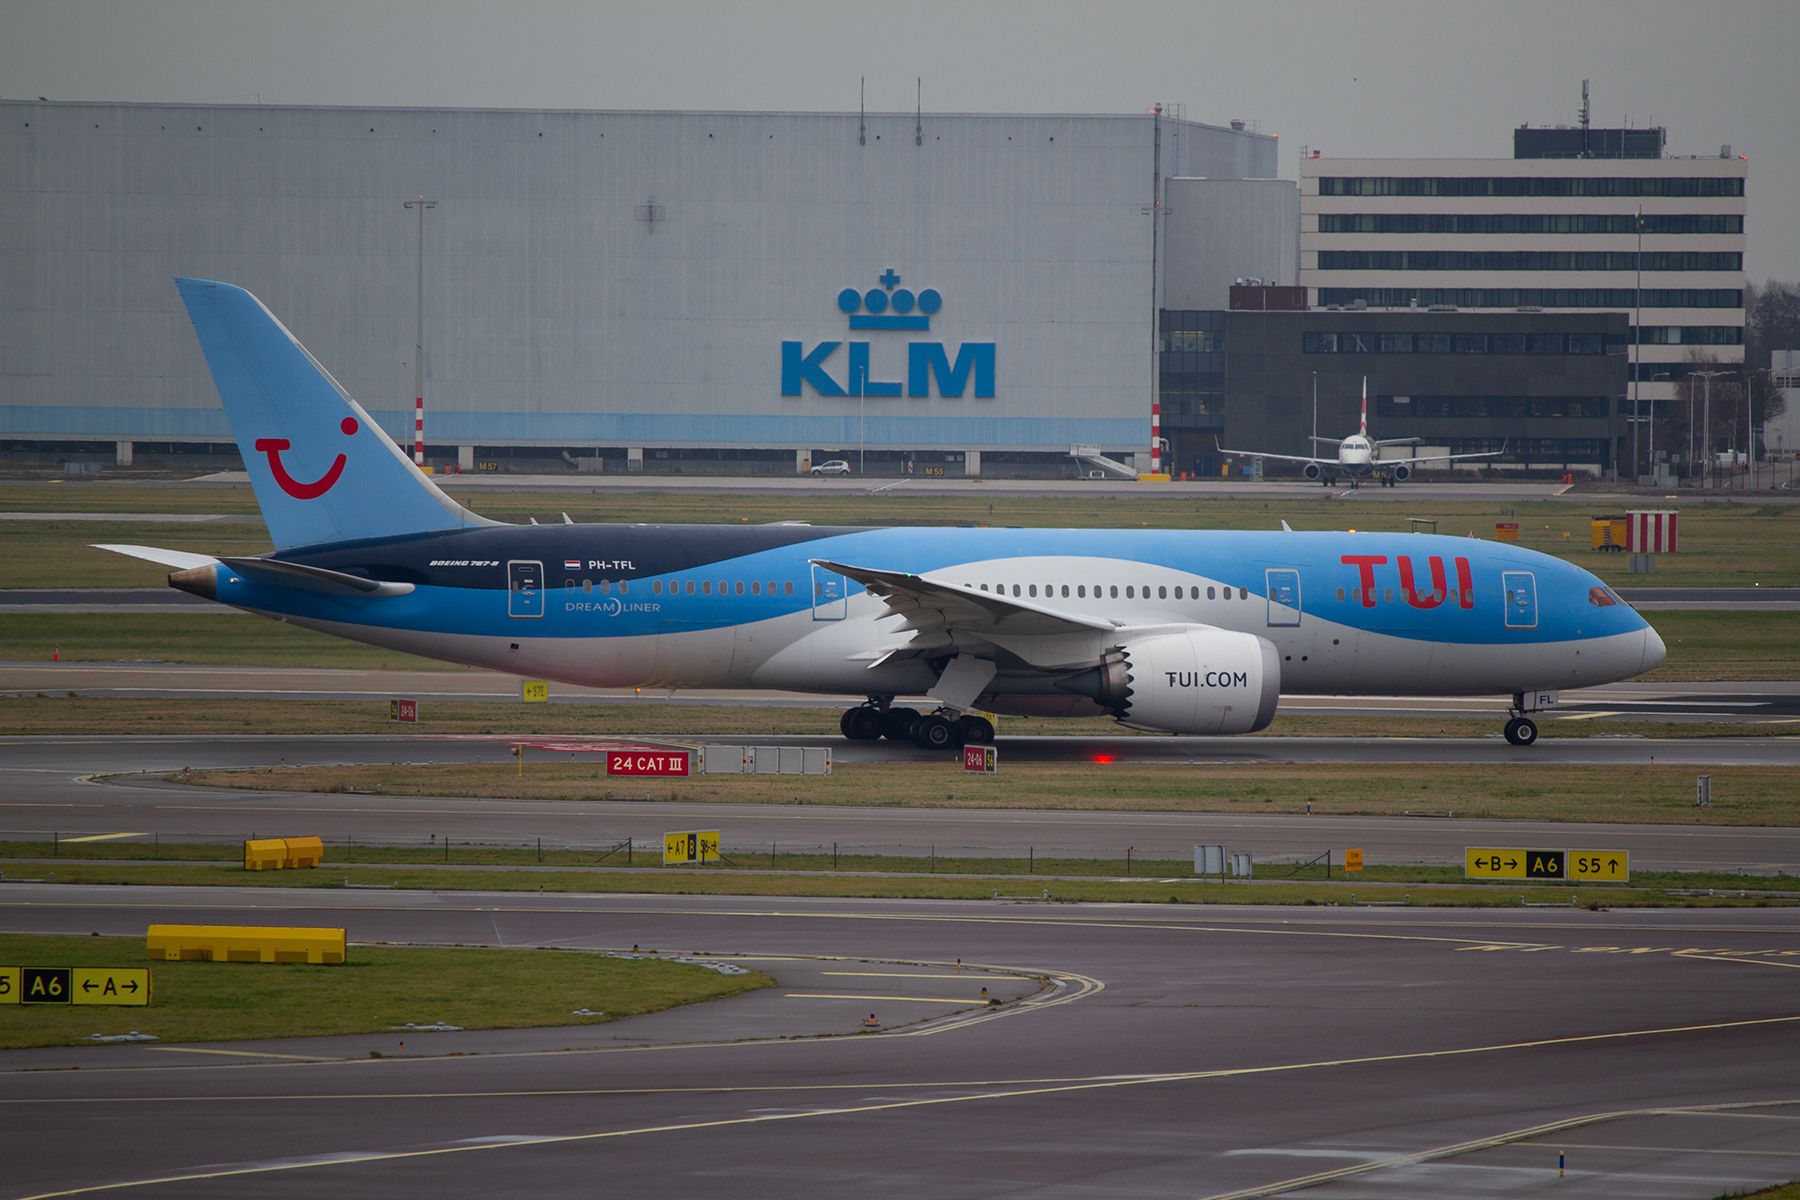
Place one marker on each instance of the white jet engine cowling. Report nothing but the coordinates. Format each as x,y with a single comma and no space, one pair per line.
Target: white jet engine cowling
1197,681
1402,473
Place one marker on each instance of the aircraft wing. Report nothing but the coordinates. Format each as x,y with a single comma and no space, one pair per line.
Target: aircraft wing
1387,462
931,604
1299,458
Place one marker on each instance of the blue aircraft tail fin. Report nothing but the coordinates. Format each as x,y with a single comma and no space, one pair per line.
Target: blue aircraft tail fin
322,469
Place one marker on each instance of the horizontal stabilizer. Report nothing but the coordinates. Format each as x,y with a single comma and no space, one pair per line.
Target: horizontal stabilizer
181,560
276,573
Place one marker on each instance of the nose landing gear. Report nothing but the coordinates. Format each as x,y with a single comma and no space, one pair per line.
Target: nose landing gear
1521,731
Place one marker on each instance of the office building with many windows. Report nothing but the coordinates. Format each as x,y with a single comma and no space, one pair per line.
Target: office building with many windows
1660,239
1539,391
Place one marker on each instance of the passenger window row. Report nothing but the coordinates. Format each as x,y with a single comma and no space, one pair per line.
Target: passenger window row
703,587
1111,591
1386,595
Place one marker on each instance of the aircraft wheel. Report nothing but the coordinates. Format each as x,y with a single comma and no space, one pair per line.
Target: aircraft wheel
977,731
861,724
897,725
1521,731
933,732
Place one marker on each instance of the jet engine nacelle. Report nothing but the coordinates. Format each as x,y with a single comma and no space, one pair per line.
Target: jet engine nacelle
1197,681
1402,473
1312,471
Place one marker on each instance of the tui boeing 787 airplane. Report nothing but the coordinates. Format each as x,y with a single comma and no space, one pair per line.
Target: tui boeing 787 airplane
1186,632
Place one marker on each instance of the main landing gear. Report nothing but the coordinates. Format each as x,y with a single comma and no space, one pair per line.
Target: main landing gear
945,729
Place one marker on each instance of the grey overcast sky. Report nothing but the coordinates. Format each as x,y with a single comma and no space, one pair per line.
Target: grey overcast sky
1348,77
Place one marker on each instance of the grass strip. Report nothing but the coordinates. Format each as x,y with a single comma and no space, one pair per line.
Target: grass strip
1178,889
1637,793
33,858
379,987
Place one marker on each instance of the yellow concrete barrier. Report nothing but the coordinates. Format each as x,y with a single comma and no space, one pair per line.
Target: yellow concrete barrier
244,943
304,852
275,854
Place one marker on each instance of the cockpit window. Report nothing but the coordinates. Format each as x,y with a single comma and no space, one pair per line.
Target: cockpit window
1601,598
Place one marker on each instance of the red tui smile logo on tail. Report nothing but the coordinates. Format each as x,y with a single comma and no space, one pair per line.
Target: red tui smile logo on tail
293,487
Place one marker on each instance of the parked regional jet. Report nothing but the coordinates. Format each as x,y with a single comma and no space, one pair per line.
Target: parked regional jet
1356,459
1187,632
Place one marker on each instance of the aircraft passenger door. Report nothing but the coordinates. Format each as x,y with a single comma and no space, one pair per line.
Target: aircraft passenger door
1521,599
1284,596
828,594
524,588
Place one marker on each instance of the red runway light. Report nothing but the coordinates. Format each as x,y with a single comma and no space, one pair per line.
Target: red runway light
1102,758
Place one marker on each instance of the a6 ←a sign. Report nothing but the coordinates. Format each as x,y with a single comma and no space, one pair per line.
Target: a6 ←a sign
75,985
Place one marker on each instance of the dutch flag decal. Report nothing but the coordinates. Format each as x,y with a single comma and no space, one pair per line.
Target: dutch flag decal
571,564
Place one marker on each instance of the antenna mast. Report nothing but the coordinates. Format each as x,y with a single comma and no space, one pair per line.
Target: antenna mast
919,112
862,112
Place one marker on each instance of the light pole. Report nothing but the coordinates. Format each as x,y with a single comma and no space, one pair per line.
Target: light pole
1650,436
419,340
1706,419
1637,342
1749,434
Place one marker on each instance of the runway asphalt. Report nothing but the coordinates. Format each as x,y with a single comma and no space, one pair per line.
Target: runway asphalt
61,788
1177,1052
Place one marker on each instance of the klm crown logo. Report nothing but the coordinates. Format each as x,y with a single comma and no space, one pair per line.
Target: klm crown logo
890,307
879,300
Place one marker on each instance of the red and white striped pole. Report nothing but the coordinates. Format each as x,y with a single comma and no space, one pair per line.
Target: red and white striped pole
1155,438
419,430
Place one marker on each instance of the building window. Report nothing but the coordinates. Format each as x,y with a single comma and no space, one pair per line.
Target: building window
1527,185
1546,343
1529,260
1530,223
1396,343
1506,343
1620,298
1470,343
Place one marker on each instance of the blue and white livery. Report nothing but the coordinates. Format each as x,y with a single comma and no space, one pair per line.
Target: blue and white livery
1189,632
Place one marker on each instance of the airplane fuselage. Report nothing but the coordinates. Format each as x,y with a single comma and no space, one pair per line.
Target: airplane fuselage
737,607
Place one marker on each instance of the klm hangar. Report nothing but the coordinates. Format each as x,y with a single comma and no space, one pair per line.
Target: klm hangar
631,291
